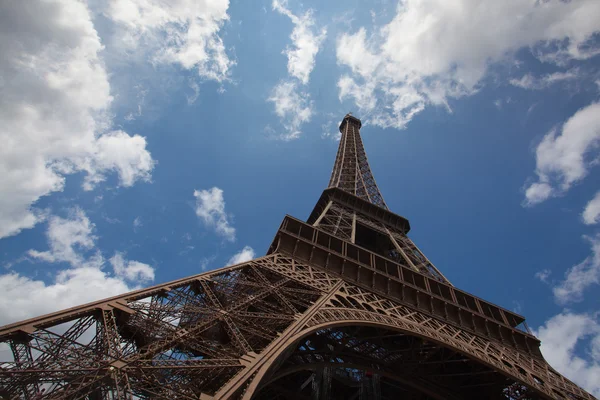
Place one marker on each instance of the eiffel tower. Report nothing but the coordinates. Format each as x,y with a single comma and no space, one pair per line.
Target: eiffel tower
343,306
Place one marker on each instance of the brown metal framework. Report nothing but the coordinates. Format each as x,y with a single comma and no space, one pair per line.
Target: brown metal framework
342,306
351,171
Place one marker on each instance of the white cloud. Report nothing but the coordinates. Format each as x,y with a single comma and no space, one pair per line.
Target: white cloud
55,109
560,336
196,88
563,159
210,208
205,263
110,220
23,297
537,192
499,103
517,306
137,223
331,130
293,107
543,275
246,254
528,81
141,97
579,277
127,155
531,108
69,240
363,95
591,213
292,103
133,271
183,32
186,250
420,57
306,43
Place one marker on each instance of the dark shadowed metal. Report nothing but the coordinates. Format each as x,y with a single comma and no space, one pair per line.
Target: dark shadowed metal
343,306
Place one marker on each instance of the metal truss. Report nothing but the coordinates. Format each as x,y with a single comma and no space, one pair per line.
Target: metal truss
182,339
251,331
343,221
344,306
351,171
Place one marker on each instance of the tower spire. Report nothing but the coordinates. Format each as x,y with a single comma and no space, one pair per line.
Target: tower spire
351,171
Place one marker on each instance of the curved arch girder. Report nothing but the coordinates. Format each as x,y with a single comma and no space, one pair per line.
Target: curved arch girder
334,317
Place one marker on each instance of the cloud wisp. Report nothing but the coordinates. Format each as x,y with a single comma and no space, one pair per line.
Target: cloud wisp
290,98
305,42
530,82
210,208
580,277
292,106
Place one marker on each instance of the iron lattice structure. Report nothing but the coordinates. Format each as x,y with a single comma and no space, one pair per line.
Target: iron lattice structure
343,306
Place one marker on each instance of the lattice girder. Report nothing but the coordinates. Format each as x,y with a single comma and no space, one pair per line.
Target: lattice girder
162,360
510,368
342,221
132,343
351,171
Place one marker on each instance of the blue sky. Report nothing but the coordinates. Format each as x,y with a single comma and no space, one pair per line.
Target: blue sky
144,141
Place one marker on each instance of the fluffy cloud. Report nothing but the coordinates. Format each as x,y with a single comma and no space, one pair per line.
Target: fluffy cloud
127,155
563,158
86,279
420,57
363,95
133,271
591,214
579,277
22,297
182,32
67,238
292,106
306,43
210,208
246,254
537,192
560,336
54,109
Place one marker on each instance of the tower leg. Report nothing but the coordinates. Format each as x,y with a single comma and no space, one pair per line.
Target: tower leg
253,373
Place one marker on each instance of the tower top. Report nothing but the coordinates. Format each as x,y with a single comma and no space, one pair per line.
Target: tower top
351,171
349,118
